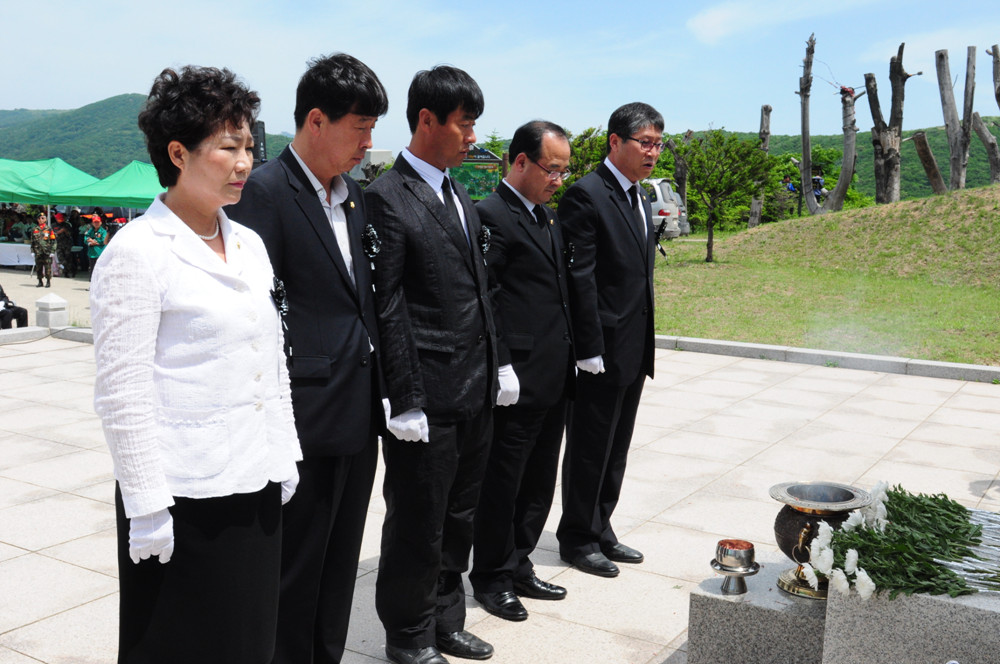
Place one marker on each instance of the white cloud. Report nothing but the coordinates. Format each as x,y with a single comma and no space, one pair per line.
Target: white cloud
713,24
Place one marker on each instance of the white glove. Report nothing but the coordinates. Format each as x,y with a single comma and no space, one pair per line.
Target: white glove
594,365
151,535
288,487
510,386
411,425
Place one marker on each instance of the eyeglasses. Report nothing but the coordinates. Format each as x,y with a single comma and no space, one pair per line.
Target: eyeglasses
553,175
647,145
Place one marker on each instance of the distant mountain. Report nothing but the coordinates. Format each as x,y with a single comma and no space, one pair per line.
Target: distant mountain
99,138
102,137
21,115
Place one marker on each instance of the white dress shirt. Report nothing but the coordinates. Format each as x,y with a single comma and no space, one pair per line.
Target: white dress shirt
626,185
333,208
191,386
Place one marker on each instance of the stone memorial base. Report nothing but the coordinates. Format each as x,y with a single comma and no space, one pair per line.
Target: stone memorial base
762,626
769,626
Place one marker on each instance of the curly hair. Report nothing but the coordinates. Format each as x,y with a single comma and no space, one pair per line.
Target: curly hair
189,107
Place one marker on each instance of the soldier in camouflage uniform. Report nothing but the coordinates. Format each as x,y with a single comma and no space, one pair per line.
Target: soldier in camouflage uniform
64,246
43,245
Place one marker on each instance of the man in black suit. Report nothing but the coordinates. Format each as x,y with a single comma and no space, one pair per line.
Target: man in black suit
311,216
606,215
9,311
439,361
531,311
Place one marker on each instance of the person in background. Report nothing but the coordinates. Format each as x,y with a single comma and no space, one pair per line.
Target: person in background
95,238
10,312
192,390
64,246
43,245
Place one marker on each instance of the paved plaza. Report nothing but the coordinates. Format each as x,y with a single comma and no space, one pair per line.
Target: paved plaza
714,433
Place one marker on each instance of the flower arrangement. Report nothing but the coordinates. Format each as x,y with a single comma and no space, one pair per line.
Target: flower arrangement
908,543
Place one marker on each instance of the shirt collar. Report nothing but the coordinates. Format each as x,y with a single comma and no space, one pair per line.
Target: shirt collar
623,181
528,204
428,173
338,188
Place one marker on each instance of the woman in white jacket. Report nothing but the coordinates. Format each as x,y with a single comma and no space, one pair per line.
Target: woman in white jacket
192,390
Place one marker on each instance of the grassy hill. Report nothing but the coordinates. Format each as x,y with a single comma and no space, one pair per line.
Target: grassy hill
98,138
919,278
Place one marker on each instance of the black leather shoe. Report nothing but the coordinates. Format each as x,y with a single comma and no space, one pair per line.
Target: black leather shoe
593,563
465,645
620,553
428,655
535,588
504,605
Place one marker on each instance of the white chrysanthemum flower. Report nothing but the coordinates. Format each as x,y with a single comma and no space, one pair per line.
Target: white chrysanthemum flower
851,561
824,535
823,562
879,492
855,520
839,582
810,574
864,584
880,516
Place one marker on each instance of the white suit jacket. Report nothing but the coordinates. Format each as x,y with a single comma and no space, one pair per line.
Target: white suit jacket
192,388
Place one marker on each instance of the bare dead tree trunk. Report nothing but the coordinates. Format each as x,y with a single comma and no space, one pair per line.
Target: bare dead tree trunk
680,166
835,200
757,203
995,52
959,132
805,167
929,163
886,138
990,143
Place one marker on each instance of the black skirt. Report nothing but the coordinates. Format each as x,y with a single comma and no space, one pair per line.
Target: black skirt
217,599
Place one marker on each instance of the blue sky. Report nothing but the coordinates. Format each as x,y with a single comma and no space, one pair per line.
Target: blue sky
702,64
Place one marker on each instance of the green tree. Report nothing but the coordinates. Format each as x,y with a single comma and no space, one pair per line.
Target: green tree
723,172
495,143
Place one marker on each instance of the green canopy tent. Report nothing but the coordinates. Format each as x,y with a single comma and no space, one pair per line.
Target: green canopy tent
35,181
134,186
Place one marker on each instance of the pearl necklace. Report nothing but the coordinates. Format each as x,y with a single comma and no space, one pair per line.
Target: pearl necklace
209,238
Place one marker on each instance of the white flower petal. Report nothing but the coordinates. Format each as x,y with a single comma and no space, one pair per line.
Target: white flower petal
851,561
824,535
839,582
864,585
855,520
810,574
824,562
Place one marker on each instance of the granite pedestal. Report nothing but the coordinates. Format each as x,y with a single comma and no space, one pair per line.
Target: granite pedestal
762,626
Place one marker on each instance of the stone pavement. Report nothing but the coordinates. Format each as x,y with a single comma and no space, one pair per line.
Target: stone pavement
714,433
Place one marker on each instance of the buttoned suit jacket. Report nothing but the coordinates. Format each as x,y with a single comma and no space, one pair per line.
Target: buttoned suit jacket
330,320
434,314
530,297
611,283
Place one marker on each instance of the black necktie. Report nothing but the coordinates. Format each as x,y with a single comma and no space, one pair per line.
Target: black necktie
449,202
640,223
540,217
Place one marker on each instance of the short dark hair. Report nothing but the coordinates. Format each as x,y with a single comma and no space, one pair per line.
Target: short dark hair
630,118
339,84
441,90
189,107
528,138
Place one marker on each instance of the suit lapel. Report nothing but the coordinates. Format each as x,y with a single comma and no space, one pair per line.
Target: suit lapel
185,244
428,198
308,201
527,221
621,200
